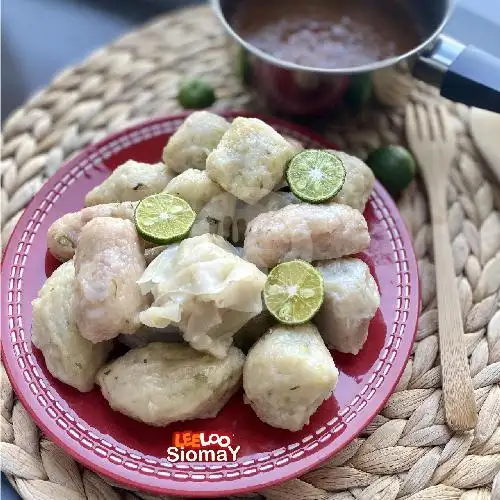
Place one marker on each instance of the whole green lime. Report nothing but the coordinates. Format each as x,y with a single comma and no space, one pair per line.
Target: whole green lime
196,93
394,166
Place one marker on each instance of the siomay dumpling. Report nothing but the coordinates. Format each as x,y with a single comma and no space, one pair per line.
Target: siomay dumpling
250,159
205,289
163,383
288,373
109,260
195,187
359,181
351,301
63,234
68,356
216,217
194,140
307,232
131,181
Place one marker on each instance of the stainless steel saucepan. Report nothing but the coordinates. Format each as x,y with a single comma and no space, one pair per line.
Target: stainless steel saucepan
463,73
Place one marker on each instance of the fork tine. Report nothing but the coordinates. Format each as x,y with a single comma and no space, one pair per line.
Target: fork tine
434,122
444,118
411,124
423,121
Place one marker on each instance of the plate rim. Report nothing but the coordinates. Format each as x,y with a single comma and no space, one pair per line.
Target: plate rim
172,486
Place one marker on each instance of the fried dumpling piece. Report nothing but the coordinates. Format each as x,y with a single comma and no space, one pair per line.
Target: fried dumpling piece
205,289
63,234
68,356
250,159
190,145
359,182
288,373
109,260
304,231
131,181
195,187
163,383
216,217
351,301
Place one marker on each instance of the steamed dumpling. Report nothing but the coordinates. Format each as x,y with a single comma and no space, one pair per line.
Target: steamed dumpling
250,159
63,233
131,181
351,301
109,260
193,141
216,217
288,373
359,181
246,213
68,356
202,287
195,187
304,231
163,383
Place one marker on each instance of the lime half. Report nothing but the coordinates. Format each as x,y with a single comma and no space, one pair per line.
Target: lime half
293,292
163,218
315,175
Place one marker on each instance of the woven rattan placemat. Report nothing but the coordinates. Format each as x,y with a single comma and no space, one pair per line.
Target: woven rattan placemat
407,452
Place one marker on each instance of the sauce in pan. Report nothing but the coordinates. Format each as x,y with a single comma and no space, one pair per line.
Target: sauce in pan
327,33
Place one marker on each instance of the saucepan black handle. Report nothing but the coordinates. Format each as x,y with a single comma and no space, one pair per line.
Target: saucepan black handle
464,74
474,79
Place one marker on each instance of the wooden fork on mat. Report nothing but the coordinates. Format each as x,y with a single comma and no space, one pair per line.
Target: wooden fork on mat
433,142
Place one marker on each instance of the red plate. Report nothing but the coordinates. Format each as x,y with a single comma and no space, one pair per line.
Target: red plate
135,454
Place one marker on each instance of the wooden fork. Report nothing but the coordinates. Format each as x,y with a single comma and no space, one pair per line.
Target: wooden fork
433,143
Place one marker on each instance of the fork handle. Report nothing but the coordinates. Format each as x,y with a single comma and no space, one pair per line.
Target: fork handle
458,392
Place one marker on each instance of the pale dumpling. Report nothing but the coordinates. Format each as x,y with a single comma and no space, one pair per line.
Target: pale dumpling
351,301
68,356
202,287
288,373
63,233
304,231
246,213
195,187
190,145
131,181
109,260
163,383
216,217
250,159
359,182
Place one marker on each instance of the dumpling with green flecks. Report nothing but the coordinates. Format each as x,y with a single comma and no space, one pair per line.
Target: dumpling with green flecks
193,141
131,181
250,159
288,373
175,382
69,357
351,301
195,187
